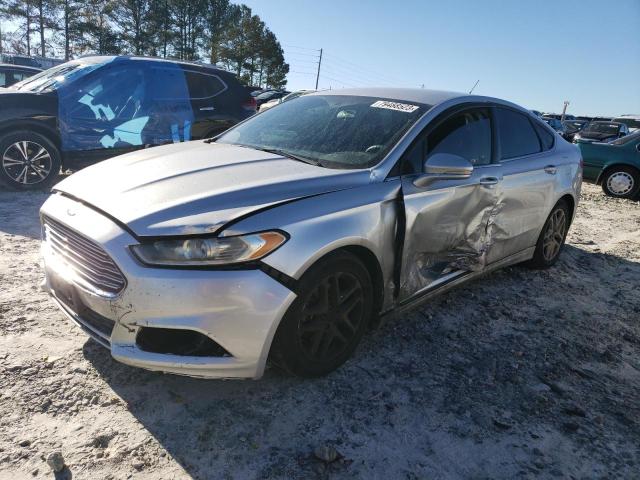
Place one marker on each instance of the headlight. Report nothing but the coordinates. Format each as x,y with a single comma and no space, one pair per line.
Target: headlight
209,251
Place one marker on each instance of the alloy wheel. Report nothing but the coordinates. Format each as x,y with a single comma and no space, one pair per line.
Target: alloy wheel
620,183
27,162
554,234
332,316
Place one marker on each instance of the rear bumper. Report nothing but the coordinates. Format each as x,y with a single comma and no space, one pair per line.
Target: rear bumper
238,309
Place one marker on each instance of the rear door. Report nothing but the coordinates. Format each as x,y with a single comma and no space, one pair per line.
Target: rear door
445,231
526,192
206,92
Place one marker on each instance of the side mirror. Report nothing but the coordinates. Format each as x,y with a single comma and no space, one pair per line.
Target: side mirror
444,166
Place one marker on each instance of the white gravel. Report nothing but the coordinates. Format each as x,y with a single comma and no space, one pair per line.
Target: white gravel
522,374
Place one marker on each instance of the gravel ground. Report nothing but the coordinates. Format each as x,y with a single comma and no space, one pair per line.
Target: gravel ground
522,374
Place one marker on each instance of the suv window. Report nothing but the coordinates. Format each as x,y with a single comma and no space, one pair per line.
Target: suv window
546,137
203,85
466,134
517,136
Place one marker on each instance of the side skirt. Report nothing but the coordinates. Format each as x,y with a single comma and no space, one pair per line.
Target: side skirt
453,280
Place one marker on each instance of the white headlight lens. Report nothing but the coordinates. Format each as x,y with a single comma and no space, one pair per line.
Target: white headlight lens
209,251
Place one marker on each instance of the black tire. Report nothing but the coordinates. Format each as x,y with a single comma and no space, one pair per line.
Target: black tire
331,313
621,182
38,170
543,256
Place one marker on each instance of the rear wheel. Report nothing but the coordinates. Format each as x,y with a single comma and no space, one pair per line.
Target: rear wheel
28,161
621,182
325,323
552,237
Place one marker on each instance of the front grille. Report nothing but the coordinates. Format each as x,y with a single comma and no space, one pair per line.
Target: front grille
92,265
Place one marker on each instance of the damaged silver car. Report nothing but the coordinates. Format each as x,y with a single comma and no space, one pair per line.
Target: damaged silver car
289,235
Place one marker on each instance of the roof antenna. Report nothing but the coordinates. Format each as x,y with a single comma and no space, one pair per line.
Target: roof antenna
474,86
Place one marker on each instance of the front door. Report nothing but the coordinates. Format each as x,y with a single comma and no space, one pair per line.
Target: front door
446,223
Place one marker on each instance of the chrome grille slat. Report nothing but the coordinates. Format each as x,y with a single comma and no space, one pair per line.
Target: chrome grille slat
77,259
65,239
86,258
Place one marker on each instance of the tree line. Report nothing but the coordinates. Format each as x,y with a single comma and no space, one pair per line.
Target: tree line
217,31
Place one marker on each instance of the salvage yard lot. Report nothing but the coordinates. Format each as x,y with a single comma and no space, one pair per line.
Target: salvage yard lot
520,374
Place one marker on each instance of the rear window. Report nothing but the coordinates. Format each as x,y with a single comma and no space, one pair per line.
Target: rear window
517,136
202,85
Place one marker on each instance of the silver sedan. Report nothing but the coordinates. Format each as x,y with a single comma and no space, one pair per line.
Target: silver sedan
289,235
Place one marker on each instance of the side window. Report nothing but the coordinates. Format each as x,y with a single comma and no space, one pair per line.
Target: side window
466,134
202,85
3,78
546,137
517,136
108,95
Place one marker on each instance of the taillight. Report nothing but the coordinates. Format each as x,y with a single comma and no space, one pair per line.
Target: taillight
250,104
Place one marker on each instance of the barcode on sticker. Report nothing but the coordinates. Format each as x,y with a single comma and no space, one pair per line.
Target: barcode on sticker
400,107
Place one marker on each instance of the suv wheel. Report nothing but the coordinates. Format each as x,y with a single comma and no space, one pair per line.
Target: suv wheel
28,161
325,323
621,182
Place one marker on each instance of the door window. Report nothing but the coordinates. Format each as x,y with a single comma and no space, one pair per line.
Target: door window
466,134
202,85
517,136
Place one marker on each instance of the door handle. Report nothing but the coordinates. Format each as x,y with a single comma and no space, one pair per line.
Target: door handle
207,109
550,169
489,180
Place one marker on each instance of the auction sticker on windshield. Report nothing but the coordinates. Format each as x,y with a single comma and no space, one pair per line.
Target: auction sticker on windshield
400,107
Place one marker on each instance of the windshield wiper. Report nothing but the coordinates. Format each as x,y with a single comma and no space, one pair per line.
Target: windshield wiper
286,154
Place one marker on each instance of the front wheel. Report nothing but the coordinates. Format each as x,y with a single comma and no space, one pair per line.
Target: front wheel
552,237
326,321
28,161
621,182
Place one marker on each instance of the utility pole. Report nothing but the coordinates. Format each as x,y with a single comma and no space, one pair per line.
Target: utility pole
564,110
319,63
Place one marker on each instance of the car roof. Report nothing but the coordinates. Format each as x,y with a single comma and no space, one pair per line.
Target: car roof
418,95
125,58
21,67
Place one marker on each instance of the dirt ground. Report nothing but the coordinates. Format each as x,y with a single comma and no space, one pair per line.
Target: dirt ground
521,374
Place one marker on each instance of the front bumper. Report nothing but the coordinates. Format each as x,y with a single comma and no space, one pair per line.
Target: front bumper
238,309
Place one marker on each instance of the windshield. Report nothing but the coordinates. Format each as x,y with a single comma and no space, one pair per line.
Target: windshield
629,122
55,77
334,131
602,127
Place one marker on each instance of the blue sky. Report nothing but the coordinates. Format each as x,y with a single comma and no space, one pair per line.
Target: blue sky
535,53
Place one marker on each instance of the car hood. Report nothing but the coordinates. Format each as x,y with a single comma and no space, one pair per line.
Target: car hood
197,187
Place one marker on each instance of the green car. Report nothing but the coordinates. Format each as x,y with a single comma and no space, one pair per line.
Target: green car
615,165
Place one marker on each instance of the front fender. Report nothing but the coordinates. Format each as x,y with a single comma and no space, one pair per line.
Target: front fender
364,216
